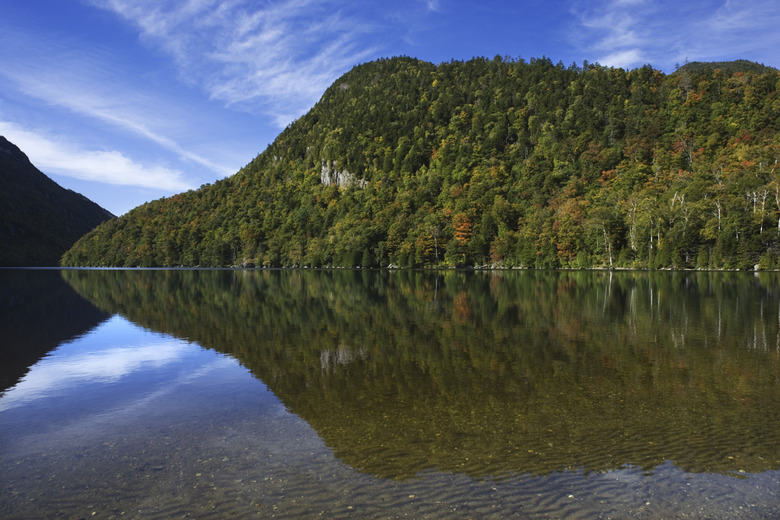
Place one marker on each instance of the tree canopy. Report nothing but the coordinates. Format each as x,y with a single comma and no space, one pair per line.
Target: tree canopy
498,162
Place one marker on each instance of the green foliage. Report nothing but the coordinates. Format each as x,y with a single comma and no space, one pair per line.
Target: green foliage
490,162
730,67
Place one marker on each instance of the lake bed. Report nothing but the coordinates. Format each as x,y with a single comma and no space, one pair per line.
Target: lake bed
385,394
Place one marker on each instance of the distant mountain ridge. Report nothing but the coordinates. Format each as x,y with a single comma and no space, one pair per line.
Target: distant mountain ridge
730,67
491,162
39,219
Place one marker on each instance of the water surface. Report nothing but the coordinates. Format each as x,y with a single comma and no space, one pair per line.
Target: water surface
389,394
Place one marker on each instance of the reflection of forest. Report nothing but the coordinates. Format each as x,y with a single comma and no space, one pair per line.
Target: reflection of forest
38,311
497,372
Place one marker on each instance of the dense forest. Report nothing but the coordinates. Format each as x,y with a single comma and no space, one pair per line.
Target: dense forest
39,219
502,162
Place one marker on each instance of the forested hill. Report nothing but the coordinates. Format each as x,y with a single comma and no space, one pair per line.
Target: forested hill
729,67
490,162
39,219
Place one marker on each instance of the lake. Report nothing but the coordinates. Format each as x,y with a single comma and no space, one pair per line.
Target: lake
388,394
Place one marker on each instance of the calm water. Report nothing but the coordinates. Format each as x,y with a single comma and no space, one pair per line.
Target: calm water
337,394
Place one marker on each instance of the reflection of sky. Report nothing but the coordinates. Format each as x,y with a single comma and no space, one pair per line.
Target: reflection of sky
122,381
114,352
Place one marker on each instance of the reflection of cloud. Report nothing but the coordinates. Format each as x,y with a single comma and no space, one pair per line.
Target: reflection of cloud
53,374
147,396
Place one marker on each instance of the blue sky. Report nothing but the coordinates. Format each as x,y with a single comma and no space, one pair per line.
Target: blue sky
128,101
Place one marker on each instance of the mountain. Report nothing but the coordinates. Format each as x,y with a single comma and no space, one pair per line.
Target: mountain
490,162
730,67
39,220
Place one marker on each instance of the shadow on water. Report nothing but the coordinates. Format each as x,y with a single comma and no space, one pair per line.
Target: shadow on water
492,374
38,312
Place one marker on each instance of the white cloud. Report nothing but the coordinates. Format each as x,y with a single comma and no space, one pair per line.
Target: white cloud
432,5
276,57
741,15
739,29
630,33
84,81
613,31
624,59
130,111
56,155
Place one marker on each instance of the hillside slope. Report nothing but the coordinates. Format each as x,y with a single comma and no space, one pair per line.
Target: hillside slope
490,162
39,220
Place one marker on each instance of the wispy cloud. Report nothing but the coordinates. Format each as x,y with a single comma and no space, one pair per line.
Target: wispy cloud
432,5
275,58
740,29
614,31
736,15
59,156
630,33
122,111
84,82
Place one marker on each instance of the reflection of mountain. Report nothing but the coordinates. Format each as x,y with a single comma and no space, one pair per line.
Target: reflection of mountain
38,311
492,373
